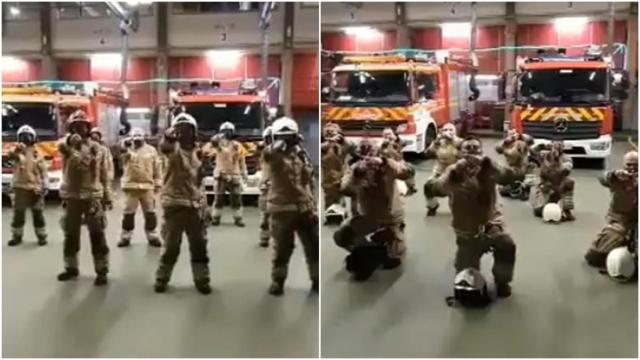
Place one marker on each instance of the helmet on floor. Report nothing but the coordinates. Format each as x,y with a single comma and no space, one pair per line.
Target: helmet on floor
551,212
621,264
470,289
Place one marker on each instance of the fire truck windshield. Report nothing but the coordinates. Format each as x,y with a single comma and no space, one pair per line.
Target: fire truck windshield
371,87
40,116
563,86
244,116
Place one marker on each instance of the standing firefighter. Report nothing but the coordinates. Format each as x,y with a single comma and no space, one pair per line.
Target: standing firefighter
291,203
622,217
380,207
554,184
96,135
29,186
335,150
184,204
515,148
265,184
445,148
140,181
477,218
229,172
86,191
392,147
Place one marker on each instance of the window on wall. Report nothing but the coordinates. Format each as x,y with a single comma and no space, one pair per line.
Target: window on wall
88,10
19,11
214,7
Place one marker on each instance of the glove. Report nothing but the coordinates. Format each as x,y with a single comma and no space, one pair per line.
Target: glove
170,134
74,140
20,147
108,204
622,175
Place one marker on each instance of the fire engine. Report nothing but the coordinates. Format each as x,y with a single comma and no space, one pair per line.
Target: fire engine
414,92
212,105
46,109
566,98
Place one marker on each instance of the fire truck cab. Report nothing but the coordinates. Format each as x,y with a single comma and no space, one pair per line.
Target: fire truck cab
46,109
566,98
211,106
412,91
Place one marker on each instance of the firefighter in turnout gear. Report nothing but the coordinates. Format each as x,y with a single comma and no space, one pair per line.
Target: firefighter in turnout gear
140,182
96,135
554,184
229,173
380,206
445,148
515,148
335,150
622,217
29,186
477,217
291,203
86,191
265,182
392,147
184,203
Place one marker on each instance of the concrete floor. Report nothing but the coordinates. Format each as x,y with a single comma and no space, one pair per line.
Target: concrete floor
560,307
45,318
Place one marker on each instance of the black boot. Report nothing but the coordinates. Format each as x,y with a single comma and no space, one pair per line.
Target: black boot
277,288
215,221
203,287
68,274
431,211
567,216
503,290
16,240
160,286
391,263
238,222
42,240
101,279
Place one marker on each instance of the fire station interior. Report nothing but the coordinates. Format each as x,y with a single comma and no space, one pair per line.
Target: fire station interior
129,64
559,307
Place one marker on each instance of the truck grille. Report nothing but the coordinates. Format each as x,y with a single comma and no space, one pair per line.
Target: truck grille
362,127
575,130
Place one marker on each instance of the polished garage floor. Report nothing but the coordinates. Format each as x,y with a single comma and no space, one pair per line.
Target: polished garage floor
559,307
45,318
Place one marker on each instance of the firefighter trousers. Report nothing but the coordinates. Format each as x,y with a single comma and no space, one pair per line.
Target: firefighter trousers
233,186
23,200
147,201
472,247
92,211
176,221
284,226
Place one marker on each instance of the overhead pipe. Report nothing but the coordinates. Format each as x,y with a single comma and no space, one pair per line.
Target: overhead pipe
264,22
475,92
610,28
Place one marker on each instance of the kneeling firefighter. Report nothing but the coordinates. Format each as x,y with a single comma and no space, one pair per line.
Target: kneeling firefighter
380,218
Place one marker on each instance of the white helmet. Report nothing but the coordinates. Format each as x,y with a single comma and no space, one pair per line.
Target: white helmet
621,265
185,118
470,288
137,134
26,129
267,132
551,212
227,126
284,126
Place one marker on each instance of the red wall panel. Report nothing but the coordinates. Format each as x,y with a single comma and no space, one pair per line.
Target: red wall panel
21,70
428,38
339,41
74,69
305,81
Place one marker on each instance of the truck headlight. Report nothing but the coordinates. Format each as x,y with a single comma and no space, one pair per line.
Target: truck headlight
599,146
